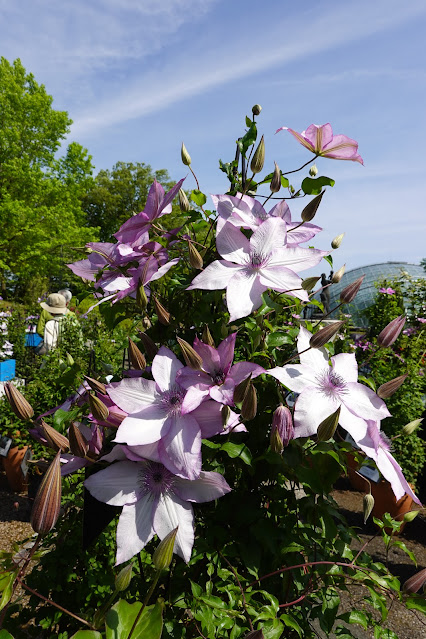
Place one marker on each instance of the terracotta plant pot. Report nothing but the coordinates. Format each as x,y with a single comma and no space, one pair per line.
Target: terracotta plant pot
12,467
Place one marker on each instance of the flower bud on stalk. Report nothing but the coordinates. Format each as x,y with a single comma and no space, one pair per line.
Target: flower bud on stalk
389,388
47,502
282,431
241,389
391,332
186,158
163,555
313,171
409,428
258,159
368,505
17,401
324,335
183,201
415,582
150,346
55,440
98,408
411,515
70,360
337,241
195,258
207,337
350,292
225,412
78,444
136,357
124,577
275,184
309,283
249,405
95,385
192,359
256,109
310,209
162,314
141,298
328,426
337,276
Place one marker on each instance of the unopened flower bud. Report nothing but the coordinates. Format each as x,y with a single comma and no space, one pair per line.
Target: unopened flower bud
313,171
17,401
70,360
95,385
141,297
275,184
324,335
337,241
337,276
310,209
258,159
163,555
368,505
415,582
98,409
409,428
183,201
282,431
150,346
309,282
192,359
256,109
55,440
350,292
391,332
123,578
411,515
225,412
389,388
328,426
136,357
47,502
207,337
186,158
162,314
249,405
78,444
195,258
241,389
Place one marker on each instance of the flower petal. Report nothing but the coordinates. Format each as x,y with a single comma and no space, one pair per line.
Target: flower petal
116,485
363,402
316,358
297,259
346,366
225,351
209,418
297,377
145,427
241,370
207,487
311,408
215,276
180,448
282,279
134,529
132,394
170,512
232,245
269,236
165,365
244,294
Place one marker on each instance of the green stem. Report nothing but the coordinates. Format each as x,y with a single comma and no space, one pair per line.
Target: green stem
147,598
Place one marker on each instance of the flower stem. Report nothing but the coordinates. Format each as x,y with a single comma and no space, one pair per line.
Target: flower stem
147,598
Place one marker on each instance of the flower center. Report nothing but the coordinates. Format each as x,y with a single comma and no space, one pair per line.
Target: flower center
154,478
331,384
257,260
172,401
218,378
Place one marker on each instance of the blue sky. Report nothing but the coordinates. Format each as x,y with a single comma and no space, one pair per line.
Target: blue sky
138,77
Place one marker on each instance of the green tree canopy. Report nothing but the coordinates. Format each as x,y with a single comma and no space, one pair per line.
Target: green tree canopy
40,195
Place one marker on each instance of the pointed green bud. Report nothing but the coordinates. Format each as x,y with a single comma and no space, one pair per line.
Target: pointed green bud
409,428
275,184
313,171
411,515
249,405
98,409
368,505
141,298
186,158
309,283
95,385
195,258
162,313
324,335
163,555
207,337
150,346
328,426
241,389
70,360
225,412
47,502
310,209
256,109
258,159
192,359
391,332
55,440
124,577
350,292
337,276
20,406
337,241
389,388
183,201
78,444
136,357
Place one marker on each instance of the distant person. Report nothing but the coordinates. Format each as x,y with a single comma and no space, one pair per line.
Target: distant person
45,316
54,310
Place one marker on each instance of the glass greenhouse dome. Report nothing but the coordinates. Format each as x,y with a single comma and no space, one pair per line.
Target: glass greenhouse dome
368,291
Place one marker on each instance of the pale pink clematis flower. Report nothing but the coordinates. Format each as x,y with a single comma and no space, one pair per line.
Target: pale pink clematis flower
323,388
250,267
387,291
154,502
319,139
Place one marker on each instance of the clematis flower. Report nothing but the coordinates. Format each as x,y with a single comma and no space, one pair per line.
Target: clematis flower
252,266
155,415
158,203
387,291
319,139
376,446
246,212
323,388
154,502
218,376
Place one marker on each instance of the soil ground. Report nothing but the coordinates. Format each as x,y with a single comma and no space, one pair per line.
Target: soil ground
14,526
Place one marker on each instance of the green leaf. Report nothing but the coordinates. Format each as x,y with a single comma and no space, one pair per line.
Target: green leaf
85,634
314,186
355,616
248,139
329,259
198,197
400,544
238,450
248,121
291,622
268,305
7,591
5,635
416,603
119,621
278,339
